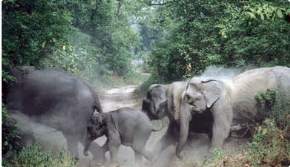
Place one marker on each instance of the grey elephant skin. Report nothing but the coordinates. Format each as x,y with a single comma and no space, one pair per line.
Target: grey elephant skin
124,126
55,99
165,100
228,101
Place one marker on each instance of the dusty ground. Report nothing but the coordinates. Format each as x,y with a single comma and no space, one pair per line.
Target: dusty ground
195,153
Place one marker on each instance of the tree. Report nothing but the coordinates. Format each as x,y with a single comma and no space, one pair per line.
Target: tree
232,33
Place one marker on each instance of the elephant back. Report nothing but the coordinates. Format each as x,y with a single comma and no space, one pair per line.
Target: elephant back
249,84
53,97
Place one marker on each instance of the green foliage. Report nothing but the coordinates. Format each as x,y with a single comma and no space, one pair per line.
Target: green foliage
274,104
32,30
34,156
229,33
266,97
217,155
11,138
265,102
269,145
106,22
90,38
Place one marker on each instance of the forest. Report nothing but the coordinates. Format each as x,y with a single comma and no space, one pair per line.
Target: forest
115,43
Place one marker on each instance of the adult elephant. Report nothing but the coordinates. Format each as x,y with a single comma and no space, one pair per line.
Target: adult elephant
161,101
55,99
228,102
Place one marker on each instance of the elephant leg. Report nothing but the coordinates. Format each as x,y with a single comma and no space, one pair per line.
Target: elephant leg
139,144
169,138
105,147
166,140
209,134
114,152
221,130
185,118
142,151
98,152
138,158
72,144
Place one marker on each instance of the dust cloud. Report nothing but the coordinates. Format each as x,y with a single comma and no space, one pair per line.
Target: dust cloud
220,72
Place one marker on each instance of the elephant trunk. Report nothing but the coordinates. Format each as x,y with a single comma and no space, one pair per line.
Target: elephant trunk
185,117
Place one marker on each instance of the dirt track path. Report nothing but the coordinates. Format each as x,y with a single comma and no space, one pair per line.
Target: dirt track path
115,98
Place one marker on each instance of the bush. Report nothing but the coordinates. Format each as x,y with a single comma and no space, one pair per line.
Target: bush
270,146
11,141
34,156
230,33
274,104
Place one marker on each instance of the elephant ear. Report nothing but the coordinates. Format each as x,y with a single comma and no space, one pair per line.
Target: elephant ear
212,90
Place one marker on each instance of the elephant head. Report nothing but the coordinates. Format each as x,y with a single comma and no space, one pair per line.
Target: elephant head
155,102
96,127
199,96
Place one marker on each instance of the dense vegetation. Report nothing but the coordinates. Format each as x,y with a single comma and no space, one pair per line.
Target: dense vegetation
229,33
91,38
35,156
98,40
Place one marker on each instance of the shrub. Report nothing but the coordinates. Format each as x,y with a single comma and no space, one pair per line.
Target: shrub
274,104
11,141
270,146
34,156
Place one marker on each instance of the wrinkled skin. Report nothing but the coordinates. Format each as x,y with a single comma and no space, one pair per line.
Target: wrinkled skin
229,102
161,101
55,99
123,126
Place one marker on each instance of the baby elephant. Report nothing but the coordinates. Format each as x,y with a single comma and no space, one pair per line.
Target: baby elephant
123,126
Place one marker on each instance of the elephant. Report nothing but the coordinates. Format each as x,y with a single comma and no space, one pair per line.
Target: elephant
122,126
227,102
161,101
55,99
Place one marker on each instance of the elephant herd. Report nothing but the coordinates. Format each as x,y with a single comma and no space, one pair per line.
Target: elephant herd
210,105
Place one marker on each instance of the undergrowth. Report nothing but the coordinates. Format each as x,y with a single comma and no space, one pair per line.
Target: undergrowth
270,146
34,156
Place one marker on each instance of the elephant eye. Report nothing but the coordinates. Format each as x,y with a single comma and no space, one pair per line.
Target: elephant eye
89,129
187,97
196,99
192,103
